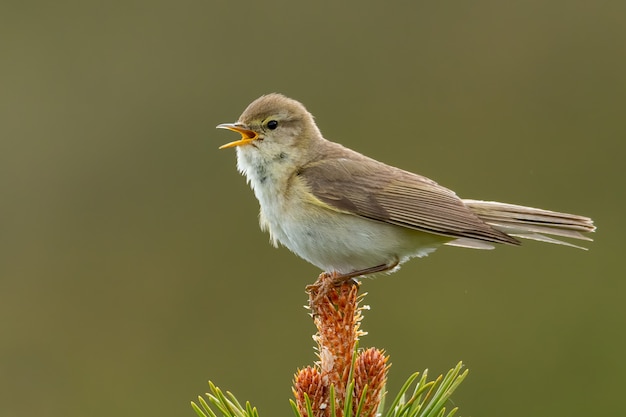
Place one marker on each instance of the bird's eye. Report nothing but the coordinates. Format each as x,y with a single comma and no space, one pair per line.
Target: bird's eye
272,124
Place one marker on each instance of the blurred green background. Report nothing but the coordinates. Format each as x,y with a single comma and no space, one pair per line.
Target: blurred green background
132,268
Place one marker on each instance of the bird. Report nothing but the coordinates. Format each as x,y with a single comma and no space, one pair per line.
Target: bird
351,215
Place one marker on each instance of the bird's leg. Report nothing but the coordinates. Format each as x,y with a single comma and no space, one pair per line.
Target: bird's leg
330,280
338,279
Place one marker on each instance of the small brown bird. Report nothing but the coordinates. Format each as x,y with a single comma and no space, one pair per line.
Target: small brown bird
351,215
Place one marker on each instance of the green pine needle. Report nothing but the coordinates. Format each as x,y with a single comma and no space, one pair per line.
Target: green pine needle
428,399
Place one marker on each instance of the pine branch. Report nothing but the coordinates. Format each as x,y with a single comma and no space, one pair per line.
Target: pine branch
346,381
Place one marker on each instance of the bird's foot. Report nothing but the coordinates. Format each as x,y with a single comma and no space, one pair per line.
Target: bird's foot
328,281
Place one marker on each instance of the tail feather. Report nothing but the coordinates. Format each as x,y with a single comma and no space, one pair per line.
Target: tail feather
532,223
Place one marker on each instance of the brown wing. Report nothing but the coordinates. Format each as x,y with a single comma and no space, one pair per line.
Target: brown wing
371,189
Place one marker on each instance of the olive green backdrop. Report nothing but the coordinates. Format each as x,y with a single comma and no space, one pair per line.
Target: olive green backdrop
132,269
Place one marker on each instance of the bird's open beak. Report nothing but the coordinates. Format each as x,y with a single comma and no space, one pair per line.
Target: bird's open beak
247,136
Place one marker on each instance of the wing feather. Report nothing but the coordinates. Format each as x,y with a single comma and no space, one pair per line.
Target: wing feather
368,188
